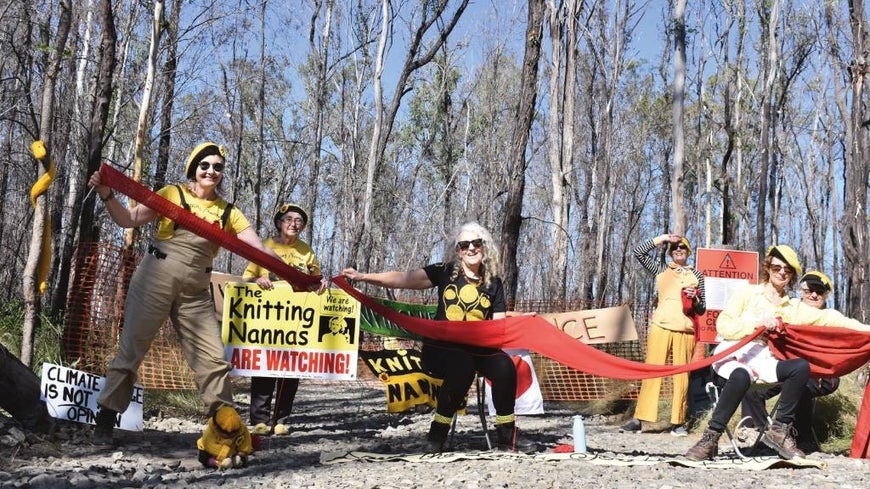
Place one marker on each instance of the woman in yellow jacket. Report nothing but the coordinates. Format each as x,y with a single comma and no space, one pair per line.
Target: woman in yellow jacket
766,304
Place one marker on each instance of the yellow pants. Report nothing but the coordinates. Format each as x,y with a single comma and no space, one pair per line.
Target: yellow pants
660,342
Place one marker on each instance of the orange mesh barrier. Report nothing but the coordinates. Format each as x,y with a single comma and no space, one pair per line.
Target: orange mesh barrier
95,316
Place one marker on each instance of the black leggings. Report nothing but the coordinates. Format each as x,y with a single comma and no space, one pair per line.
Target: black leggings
792,373
457,364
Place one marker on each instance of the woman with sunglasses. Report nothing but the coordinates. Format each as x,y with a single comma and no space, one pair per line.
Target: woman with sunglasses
814,289
172,281
766,304
290,220
672,330
469,289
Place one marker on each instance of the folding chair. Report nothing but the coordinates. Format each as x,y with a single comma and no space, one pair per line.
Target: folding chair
480,384
713,392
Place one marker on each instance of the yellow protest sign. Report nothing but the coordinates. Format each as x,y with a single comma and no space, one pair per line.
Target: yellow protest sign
282,333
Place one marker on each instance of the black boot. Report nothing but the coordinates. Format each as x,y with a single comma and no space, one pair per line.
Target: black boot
509,440
437,437
105,425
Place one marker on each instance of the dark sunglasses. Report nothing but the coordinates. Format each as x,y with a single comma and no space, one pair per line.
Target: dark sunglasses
464,245
679,247
218,167
779,268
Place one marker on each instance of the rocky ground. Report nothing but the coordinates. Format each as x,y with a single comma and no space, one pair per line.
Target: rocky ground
343,417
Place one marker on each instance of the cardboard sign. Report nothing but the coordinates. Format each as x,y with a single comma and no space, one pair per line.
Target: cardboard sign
724,272
282,333
71,395
594,326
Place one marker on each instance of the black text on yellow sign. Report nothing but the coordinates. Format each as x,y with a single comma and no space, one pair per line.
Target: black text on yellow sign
280,333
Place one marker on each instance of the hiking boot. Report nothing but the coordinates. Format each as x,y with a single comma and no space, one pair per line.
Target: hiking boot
437,437
780,437
105,425
679,430
508,439
706,448
633,426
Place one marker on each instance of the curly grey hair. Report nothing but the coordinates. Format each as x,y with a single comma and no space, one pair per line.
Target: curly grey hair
491,266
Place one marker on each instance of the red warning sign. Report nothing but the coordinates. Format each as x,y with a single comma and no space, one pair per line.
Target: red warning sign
724,271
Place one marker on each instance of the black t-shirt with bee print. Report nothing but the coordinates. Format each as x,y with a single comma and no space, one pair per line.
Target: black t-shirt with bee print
462,300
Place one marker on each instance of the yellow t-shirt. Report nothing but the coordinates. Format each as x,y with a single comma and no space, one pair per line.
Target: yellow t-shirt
298,255
210,210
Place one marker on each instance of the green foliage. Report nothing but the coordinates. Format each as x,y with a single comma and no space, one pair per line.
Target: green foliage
48,344
173,403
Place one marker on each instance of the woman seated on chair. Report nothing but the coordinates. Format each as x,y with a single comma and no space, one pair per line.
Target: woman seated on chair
766,304
469,289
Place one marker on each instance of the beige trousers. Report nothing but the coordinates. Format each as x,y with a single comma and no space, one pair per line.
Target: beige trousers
176,287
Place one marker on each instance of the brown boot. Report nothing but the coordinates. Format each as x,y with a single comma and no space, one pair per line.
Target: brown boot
437,437
781,437
706,448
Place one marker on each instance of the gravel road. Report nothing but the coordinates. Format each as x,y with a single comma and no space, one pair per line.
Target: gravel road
350,417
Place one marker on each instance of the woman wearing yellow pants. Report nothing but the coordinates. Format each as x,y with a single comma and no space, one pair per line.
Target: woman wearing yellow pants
680,295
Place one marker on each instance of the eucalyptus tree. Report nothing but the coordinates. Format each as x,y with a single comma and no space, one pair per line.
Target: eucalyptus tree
854,219
429,26
33,282
517,161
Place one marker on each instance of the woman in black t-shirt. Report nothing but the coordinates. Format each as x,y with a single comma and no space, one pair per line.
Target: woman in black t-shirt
469,289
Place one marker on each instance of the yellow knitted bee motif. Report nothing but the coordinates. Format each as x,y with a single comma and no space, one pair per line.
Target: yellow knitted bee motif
465,304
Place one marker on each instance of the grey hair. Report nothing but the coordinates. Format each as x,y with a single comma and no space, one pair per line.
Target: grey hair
491,256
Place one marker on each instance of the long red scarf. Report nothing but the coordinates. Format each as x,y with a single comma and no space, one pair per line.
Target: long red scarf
829,353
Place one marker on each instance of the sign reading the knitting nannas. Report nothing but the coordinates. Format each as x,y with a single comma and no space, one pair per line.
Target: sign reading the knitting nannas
282,333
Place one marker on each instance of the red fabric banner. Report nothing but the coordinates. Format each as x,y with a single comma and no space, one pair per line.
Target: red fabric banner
830,351
536,334
186,219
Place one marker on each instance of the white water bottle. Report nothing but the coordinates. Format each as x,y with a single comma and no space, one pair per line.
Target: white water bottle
579,435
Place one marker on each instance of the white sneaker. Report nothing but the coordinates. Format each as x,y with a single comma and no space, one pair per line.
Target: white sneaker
260,429
679,430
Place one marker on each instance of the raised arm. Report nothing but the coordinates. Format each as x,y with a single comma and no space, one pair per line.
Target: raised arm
414,279
120,213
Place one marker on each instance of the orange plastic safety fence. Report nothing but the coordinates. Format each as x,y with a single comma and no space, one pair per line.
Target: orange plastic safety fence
95,318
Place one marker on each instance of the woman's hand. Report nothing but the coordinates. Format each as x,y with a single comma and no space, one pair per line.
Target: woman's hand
352,274
102,191
264,282
772,323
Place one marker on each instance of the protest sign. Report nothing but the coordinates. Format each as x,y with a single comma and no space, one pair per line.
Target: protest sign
71,395
282,333
724,272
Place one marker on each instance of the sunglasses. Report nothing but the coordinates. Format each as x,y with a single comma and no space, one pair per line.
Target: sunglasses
679,247
779,268
820,291
464,245
218,167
